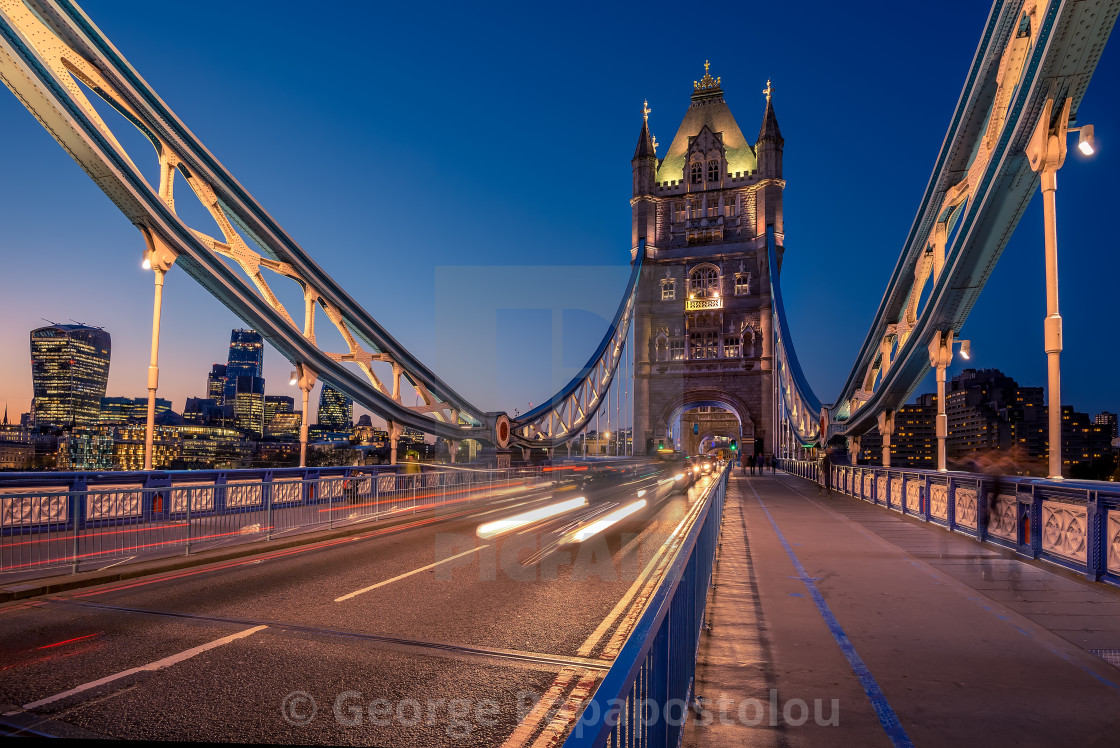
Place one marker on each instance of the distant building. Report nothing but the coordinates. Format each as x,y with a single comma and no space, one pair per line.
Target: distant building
130,409
284,426
274,404
203,411
914,443
336,410
216,384
1108,420
69,371
248,405
989,411
16,450
128,446
85,449
365,420
246,359
213,447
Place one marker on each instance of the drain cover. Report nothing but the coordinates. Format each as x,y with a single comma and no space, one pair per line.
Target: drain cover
1111,656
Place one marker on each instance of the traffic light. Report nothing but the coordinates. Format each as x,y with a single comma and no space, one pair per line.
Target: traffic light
733,447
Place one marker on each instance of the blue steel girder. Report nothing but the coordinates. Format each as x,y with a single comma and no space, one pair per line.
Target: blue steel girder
48,46
980,188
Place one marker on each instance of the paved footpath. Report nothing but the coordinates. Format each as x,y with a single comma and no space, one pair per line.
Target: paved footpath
840,623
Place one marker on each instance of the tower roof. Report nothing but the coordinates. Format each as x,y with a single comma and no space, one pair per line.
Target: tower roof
769,129
645,147
707,108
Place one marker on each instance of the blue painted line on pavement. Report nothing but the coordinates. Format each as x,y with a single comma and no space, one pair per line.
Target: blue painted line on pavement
887,717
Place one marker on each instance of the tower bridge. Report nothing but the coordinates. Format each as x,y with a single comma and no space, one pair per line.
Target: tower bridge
576,601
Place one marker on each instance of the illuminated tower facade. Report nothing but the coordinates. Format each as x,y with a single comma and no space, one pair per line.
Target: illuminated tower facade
703,325
69,372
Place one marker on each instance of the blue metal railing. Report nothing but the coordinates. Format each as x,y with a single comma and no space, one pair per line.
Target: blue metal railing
643,699
50,520
1071,523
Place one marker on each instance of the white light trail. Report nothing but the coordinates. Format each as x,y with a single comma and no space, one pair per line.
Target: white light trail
499,526
598,526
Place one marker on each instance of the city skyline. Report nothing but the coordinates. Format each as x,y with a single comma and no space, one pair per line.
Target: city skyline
520,212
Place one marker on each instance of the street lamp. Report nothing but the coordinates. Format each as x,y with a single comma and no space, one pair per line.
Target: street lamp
1086,143
966,349
158,256
1046,153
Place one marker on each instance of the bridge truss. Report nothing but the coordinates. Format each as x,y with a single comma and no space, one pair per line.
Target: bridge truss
52,54
1034,62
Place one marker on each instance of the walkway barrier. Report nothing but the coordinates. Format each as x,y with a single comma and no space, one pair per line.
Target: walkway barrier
1075,524
643,699
70,519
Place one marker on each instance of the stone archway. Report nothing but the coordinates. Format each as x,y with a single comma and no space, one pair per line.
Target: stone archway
710,397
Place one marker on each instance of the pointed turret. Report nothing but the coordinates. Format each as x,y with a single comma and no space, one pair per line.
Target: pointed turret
644,162
645,143
770,141
643,207
769,150
5,414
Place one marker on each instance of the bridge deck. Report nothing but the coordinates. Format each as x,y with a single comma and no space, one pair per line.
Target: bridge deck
922,636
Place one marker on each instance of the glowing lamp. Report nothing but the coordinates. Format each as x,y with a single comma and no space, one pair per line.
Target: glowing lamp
1086,143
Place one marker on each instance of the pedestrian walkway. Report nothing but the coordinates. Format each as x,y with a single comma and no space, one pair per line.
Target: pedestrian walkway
836,622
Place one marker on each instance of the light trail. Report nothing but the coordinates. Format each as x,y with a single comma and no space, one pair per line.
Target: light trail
499,526
600,525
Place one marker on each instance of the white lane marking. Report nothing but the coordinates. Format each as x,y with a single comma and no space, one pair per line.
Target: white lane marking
157,665
116,563
355,593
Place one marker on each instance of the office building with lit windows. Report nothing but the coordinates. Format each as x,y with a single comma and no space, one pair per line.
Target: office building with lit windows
69,371
248,405
336,410
246,359
216,384
130,409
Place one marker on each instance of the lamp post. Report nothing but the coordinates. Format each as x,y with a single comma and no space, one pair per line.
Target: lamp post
159,258
305,378
1046,153
940,356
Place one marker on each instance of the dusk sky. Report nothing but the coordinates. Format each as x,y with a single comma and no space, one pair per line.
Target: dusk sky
464,172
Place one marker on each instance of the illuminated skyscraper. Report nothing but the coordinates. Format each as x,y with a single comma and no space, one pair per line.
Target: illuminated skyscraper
248,405
246,359
336,410
216,384
69,371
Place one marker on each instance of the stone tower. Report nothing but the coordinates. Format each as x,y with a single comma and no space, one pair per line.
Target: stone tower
703,332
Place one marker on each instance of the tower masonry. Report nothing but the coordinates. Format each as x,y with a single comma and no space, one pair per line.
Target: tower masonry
702,329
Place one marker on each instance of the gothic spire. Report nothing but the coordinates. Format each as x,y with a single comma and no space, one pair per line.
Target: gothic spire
645,147
769,130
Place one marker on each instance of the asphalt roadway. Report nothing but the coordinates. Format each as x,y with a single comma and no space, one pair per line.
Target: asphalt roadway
420,634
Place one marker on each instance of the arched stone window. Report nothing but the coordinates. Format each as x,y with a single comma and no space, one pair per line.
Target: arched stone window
703,281
697,173
713,170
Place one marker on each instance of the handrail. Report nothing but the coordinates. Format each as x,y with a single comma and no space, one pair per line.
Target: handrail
657,648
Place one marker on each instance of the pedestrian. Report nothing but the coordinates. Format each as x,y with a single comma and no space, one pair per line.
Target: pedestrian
824,476
773,463
751,461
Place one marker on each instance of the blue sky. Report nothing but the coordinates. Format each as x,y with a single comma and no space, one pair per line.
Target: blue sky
407,145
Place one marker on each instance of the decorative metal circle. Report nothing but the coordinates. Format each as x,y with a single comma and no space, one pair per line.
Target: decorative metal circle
501,431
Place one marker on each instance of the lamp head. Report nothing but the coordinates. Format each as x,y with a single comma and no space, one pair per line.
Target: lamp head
966,349
294,379
1086,143
147,262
